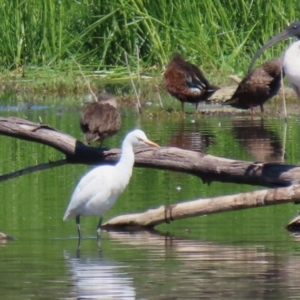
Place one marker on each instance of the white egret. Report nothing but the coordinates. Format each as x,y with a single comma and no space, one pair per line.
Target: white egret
99,189
291,57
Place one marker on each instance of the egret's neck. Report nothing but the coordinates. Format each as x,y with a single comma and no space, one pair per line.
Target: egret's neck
126,161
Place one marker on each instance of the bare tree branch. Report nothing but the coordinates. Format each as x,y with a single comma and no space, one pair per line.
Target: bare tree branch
166,214
207,167
86,80
32,169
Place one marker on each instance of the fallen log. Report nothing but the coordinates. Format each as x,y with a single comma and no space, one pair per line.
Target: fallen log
5,237
207,167
75,151
294,225
165,214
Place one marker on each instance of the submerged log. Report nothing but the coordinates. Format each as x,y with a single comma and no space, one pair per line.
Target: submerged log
207,167
200,207
294,225
5,237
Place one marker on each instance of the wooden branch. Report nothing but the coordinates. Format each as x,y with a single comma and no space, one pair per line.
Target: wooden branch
166,214
75,151
32,169
294,225
212,168
207,167
5,237
86,80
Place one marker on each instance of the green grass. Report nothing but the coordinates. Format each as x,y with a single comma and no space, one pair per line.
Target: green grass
220,35
43,43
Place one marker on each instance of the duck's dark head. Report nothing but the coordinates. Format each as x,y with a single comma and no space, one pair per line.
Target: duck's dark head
291,31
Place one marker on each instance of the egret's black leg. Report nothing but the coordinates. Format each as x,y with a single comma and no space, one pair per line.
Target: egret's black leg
99,228
99,233
78,226
79,231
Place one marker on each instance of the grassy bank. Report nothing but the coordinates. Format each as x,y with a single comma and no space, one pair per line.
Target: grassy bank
219,35
54,47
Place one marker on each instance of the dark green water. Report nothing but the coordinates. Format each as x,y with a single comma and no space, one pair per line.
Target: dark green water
236,255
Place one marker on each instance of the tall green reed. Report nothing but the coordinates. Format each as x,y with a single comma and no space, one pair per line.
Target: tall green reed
217,34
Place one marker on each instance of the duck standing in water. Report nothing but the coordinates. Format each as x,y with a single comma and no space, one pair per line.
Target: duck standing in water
186,82
100,119
258,86
291,57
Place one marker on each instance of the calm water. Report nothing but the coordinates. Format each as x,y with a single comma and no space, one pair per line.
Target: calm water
236,255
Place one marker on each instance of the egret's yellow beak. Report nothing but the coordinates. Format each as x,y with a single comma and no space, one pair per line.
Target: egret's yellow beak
150,143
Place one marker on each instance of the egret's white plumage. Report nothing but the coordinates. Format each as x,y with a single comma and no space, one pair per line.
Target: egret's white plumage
291,66
99,189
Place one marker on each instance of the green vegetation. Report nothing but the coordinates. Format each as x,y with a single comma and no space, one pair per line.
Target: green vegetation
219,35
54,47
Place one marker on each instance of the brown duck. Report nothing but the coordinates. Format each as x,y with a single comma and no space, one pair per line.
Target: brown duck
258,86
186,82
100,119
291,57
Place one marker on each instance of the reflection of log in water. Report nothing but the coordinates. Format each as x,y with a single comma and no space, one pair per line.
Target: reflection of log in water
263,143
190,137
210,270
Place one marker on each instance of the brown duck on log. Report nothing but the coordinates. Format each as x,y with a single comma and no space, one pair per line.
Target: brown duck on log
259,85
186,82
100,119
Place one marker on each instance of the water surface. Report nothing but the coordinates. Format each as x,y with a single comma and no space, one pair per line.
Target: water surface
235,255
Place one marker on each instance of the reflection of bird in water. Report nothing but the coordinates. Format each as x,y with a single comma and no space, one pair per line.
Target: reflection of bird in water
99,189
291,58
186,82
258,86
100,119
96,278
263,143
190,138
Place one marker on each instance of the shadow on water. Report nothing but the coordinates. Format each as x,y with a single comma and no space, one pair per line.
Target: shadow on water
165,267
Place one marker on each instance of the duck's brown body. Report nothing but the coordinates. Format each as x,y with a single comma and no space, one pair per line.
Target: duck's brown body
100,119
186,82
258,86
291,57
